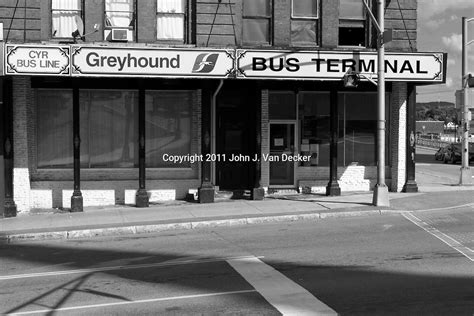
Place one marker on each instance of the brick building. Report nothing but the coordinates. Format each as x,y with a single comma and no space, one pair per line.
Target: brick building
121,101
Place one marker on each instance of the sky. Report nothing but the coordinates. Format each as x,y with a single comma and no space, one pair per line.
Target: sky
440,30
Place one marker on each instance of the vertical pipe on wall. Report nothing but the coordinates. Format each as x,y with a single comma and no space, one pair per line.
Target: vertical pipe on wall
410,184
7,143
333,188
76,198
141,198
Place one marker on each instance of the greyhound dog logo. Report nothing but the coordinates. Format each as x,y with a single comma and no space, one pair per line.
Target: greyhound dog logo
205,63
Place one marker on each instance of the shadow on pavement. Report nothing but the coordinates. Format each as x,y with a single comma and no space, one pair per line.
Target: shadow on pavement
347,289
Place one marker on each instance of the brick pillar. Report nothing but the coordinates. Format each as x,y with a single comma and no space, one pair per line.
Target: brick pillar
398,135
265,141
330,23
411,185
21,174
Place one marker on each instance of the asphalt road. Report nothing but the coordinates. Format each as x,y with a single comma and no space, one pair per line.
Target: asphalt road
411,264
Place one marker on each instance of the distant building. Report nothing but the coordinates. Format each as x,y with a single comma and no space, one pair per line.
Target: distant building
435,128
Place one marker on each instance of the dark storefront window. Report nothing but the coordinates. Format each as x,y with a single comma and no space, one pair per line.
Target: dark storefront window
109,128
357,130
282,105
304,21
168,127
352,23
54,129
256,21
314,120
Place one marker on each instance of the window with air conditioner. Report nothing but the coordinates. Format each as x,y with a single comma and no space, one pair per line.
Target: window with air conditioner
119,20
63,13
352,23
171,20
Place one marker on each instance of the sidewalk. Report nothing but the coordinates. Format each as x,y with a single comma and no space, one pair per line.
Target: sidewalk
119,220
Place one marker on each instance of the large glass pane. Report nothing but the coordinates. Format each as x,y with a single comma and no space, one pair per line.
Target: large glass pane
168,127
54,129
358,129
305,8
282,105
256,31
282,144
171,6
109,128
314,117
256,7
303,31
351,9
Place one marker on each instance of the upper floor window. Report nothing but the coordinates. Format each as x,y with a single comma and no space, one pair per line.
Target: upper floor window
256,26
63,14
304,18
352,23
171,20
119,13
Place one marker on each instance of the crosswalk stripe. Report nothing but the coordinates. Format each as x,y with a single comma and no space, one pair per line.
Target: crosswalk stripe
285,295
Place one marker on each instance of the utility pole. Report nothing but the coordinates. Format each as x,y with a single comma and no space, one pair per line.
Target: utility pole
380,197
466,175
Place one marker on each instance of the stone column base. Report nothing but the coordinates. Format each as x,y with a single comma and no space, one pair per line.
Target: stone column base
77,203
333,189
257,194
206,194
141,198
410,187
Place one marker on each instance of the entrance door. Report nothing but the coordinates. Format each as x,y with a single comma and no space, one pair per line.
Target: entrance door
235,138
282,144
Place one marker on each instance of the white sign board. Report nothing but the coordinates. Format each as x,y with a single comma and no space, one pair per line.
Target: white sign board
152,62
41,60
332,65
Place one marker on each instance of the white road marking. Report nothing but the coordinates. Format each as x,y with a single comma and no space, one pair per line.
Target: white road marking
285,295
113,268
161,299
448,240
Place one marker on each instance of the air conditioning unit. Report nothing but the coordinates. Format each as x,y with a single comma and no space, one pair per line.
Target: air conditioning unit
121,35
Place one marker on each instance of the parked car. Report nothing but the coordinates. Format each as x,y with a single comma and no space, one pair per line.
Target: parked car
439,155
453,153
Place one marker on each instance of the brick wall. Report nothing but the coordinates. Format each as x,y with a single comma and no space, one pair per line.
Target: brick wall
217,22
401,16
21,20
265,179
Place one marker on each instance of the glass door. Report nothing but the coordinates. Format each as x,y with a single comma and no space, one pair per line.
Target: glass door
282,145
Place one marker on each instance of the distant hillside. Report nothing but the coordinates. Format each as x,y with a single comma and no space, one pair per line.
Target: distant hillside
436,111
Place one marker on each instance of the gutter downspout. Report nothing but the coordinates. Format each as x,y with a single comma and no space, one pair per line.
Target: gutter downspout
213,128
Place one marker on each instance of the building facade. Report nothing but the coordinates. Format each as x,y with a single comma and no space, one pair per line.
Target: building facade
133,101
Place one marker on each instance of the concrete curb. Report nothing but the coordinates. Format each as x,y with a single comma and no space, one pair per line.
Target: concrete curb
151,228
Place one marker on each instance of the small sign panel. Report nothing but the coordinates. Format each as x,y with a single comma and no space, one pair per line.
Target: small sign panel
41,60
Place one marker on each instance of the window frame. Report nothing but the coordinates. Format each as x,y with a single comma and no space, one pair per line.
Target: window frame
268,17
51,11
186,23
133,21
316,21
362,23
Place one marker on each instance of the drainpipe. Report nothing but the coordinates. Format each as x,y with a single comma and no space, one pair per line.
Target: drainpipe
213,128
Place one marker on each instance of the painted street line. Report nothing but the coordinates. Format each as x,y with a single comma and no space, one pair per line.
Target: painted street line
448,240
113,268
285,295
161,299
